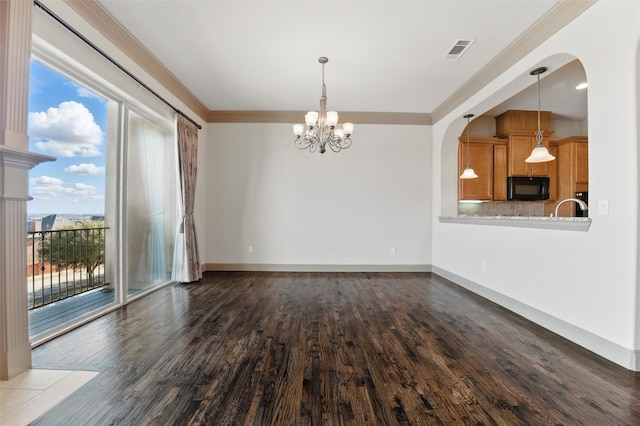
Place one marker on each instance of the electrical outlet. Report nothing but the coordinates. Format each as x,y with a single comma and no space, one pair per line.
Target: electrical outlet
250,249
393,250
603,207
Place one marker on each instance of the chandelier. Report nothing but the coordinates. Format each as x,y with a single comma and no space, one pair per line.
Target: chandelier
322,127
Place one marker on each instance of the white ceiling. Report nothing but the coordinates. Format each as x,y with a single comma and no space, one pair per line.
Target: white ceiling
384,56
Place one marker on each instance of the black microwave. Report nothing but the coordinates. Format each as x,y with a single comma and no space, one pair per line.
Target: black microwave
527,188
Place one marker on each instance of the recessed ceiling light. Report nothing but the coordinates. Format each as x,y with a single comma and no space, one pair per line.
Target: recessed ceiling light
582,86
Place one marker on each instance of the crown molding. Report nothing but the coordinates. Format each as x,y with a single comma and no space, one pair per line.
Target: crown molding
555,19
99,18
397,118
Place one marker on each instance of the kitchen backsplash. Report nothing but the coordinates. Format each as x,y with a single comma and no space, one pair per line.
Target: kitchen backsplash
502,208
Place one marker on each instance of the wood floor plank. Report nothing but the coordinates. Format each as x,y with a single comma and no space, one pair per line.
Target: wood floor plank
277,348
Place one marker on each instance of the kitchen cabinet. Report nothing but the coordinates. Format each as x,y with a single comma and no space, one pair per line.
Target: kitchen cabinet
519,147
519,128
488,163
572,170
581,159
519,121
500,171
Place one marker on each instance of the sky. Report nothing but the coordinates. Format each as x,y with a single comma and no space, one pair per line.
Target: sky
68,122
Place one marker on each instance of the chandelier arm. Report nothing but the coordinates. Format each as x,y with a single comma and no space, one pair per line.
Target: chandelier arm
335,146
308,141
301,143
338,144
330,136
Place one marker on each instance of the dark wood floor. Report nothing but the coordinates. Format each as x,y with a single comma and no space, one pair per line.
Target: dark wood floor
331,348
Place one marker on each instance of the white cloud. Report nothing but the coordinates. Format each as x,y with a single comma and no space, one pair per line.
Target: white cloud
86,93
85,169
47,188
66,131
82,192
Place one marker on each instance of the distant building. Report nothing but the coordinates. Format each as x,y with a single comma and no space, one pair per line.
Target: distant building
48,221
34,264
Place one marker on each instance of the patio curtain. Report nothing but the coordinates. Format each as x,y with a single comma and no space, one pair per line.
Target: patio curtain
152,160
186,261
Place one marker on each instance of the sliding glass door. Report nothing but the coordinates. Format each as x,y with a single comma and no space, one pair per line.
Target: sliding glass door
115,182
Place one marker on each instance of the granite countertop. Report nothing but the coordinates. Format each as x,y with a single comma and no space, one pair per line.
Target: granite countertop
540,222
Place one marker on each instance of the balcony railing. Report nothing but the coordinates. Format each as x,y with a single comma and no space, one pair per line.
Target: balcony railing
64,263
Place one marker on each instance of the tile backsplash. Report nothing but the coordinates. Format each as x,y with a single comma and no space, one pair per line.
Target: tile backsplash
503,208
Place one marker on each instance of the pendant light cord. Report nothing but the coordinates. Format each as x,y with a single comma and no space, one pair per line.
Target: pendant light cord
468,117
468,145
539,132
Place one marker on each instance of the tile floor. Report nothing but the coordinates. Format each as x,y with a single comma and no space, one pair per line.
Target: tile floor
30,394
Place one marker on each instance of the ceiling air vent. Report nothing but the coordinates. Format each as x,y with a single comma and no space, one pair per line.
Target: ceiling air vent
458,48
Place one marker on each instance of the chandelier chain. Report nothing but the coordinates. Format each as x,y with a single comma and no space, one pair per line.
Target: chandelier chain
324,88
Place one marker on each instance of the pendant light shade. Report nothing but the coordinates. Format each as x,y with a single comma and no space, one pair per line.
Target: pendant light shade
540,153
468,172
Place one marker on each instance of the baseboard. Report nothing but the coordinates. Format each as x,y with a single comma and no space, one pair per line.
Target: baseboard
270,267
620,355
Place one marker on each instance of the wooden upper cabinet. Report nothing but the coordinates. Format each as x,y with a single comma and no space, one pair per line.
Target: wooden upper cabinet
519,128
519,148
481,150
518,121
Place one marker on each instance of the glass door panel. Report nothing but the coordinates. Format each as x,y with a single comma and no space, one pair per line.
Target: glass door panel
70,229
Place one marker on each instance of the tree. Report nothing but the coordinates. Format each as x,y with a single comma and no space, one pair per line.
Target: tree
79,246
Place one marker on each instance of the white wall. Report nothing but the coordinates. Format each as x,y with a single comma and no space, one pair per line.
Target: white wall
581,285
297,208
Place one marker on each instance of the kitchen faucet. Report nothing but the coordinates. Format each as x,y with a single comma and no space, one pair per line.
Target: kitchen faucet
582,204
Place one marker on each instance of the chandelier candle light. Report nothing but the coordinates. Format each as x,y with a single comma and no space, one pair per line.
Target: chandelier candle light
468,172
540,154
322,127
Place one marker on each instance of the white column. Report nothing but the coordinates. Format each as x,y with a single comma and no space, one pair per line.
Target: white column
15,162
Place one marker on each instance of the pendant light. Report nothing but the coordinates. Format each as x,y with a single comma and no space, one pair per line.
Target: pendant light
468,171
540,154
